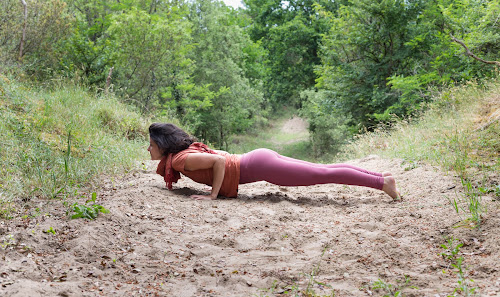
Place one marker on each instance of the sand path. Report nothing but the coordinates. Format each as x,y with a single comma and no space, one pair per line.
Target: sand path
156,242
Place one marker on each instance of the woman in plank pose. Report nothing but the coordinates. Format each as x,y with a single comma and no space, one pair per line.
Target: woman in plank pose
179,153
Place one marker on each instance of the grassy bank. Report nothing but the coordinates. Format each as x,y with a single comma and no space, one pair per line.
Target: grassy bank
56,142
460,133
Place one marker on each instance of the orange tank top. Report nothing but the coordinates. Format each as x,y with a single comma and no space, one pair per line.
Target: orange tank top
231,180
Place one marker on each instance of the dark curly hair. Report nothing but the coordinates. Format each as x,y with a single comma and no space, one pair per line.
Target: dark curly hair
169,137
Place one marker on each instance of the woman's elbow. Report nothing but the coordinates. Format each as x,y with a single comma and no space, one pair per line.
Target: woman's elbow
221,160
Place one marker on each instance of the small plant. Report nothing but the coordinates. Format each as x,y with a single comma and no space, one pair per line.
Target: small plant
470,204
409,164
390,290
451,249
6,208
464,284
311,281
295,289
50,230
87,211
8,241
270,291
495,190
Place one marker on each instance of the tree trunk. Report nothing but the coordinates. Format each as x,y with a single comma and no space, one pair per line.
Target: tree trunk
108,80
21,45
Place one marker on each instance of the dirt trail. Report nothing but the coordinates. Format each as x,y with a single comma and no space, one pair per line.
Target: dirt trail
156,242
291,131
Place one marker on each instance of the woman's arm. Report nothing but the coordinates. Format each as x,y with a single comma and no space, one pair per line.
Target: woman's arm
199,161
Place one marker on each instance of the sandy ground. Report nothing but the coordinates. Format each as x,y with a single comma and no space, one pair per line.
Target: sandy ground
156,242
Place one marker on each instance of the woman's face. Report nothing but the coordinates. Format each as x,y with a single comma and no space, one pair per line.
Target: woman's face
154,150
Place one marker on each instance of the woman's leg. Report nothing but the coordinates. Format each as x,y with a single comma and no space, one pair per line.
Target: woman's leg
339,165
267,165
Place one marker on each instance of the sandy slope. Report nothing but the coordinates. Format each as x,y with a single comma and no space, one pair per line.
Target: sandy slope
156,242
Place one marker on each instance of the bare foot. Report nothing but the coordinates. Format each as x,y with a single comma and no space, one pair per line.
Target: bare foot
390,188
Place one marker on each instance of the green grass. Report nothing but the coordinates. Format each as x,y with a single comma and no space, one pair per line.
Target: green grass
57,142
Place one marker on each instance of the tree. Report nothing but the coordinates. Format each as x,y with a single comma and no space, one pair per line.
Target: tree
290,31
221,63
150,54
367,44
30,33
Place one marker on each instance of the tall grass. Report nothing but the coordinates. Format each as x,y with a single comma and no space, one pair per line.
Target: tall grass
459,132
55,141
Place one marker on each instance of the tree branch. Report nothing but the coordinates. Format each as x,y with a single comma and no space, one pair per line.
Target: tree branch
470,54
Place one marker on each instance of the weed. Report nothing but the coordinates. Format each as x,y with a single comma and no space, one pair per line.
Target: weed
50,230
469,203
8,240
452,248
464,284
6,208
390,290
270,291
87,211
409,164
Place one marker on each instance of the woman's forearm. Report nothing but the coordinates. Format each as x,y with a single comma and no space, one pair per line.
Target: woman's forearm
219,170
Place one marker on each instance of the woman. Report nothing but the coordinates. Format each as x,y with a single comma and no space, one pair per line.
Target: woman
224,172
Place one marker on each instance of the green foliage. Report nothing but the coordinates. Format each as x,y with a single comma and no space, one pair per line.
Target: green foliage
86,211
51,231
292,47
222,70
47,23
451,247
290,32
151,62
86,55
383,60
469,203
366,45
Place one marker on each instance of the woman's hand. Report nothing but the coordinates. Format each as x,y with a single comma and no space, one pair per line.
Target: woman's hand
203,197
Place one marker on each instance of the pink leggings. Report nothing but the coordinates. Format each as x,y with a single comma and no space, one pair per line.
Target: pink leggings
267,165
